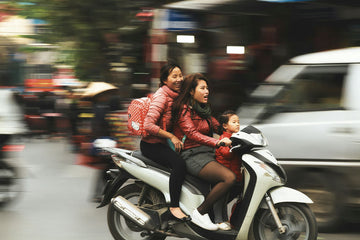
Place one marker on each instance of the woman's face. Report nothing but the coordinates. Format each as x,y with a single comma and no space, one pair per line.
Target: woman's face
201,92
174,80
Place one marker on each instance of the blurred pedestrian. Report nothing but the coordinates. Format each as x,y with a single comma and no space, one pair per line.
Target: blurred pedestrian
73,112
47,110
100,129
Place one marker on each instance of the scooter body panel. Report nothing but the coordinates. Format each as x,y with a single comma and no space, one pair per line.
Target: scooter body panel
286,194
263,182
189,200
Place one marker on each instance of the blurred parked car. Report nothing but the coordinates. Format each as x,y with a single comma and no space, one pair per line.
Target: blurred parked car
309,109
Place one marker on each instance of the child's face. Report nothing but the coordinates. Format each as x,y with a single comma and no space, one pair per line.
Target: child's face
233,125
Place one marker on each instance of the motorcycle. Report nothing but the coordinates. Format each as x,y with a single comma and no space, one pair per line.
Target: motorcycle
10,186
138,198
11,126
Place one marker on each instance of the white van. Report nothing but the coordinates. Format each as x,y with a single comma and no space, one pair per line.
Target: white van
309,110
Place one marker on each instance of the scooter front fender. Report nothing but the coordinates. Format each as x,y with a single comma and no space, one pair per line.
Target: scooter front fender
112,186
286,194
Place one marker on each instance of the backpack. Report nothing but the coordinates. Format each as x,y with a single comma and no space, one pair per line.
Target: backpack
137,111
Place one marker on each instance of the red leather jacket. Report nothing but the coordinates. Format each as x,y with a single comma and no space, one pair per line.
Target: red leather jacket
196,129
228,159
159,114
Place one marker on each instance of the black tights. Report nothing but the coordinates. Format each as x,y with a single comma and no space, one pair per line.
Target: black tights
165,156
222,177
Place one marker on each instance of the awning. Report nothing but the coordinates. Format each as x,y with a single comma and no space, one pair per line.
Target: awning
254,7
247,7
198,5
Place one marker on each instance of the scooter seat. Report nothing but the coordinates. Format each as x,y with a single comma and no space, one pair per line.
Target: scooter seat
148,161
201,185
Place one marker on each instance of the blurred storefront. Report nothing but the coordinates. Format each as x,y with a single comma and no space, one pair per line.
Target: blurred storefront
198,34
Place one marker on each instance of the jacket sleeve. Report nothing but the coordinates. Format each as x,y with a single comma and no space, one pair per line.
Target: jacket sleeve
189,129
156,109
224,152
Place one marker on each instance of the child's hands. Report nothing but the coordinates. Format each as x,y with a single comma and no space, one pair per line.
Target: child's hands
224,142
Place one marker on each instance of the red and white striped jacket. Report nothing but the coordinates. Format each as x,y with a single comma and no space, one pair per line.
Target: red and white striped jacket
159,114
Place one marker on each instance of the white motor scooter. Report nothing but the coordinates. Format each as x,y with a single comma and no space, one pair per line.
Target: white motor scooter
139,198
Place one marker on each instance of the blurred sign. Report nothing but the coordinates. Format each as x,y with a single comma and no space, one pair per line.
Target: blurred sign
65,80
39,85
146,14
173,20
283,1
38,22
181,21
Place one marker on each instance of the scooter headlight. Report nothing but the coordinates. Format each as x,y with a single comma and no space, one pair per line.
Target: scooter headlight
270,172
264,140
260,139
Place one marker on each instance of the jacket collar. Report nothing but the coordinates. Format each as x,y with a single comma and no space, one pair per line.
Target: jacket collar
226,134
170,92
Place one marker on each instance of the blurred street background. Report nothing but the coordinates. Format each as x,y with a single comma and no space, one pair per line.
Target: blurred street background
69,69
55,200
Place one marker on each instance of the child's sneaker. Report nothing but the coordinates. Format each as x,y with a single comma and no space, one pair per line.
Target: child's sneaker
224,226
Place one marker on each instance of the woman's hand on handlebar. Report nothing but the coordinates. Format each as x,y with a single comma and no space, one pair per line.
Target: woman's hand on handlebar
224,142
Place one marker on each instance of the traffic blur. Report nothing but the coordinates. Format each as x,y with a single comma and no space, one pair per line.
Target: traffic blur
78,115
54,199
309,110
236,44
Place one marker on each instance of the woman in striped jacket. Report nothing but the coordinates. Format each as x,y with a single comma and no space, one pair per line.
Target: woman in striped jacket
157,124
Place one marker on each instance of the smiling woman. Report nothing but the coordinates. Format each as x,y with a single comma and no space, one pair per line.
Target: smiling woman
157,124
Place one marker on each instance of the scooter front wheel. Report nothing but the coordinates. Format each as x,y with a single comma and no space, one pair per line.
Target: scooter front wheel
297,218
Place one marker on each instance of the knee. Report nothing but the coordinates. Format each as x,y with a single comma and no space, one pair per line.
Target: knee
230,178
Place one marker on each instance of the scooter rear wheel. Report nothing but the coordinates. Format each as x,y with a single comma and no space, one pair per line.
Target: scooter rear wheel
123,229
297,218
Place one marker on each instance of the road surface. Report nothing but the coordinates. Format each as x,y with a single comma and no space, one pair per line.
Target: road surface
55,201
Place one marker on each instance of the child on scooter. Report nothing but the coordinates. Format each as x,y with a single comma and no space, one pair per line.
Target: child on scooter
229,124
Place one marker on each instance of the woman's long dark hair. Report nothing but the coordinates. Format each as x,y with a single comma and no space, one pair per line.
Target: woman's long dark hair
166,70
190,83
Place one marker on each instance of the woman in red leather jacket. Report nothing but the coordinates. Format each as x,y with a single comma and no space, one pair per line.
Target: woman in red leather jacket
157,123
192,118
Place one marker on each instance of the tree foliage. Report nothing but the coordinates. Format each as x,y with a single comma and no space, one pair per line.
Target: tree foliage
92,25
